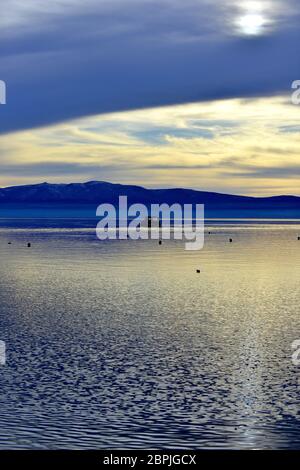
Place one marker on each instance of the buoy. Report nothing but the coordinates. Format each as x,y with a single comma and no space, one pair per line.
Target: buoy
230,240
160,242
28,245
198,271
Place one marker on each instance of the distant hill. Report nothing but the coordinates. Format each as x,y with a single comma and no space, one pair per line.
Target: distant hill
87,196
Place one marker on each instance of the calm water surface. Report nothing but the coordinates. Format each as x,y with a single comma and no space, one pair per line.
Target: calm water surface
122,344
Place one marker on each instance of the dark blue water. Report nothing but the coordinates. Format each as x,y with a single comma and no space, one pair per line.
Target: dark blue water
122,344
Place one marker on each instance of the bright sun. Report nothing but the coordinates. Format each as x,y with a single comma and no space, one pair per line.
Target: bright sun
251,24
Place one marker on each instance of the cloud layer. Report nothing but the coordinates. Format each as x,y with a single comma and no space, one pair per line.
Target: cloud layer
236,146
67,58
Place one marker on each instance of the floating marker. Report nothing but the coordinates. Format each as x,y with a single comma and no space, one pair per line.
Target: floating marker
230,240
198,271
28,245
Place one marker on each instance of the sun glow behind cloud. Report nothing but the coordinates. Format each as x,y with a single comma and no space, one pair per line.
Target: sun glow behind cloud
66,59
257,18
251,24
242,146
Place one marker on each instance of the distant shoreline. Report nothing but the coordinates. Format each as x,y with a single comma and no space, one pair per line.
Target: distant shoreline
80,201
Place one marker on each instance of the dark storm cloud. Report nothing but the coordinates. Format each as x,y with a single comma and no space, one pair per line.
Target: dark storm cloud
70,59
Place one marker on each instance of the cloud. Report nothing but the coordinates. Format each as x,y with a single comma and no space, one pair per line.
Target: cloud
67,59
232,145
280,172
57,169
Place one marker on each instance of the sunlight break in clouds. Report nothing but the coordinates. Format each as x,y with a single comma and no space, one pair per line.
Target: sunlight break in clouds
68,59
241,146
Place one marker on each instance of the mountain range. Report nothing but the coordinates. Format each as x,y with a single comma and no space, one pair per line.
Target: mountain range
87,196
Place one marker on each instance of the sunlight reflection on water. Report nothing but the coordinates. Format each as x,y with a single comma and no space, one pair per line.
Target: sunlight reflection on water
122,345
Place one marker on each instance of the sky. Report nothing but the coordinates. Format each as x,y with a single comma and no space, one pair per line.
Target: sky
160,93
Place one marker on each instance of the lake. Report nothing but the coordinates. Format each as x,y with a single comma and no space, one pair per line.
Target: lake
122,344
